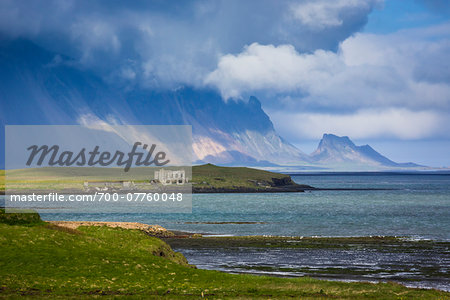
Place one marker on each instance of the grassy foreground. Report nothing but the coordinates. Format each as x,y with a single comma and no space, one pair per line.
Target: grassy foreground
40,260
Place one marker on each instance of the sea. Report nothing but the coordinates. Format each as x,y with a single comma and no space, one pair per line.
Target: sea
413,206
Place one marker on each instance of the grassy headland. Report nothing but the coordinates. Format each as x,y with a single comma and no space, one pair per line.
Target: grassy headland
205,179
42,260
213,179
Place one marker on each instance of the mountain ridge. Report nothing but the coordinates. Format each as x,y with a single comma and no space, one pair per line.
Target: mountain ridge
42,87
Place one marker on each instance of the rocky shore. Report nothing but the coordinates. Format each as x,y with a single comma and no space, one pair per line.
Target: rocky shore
153,230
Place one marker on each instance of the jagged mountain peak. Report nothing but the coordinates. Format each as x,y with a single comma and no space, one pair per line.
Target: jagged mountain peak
335,149
254,102
330,140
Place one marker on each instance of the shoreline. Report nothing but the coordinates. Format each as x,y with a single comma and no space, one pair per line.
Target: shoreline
175,233
152,230
263,255
212,190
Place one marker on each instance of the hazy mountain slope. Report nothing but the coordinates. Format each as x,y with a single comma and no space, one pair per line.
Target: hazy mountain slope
223,132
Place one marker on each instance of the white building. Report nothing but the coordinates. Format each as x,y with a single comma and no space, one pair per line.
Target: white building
170,177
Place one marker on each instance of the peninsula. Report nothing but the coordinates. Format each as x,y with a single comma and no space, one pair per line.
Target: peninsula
209,178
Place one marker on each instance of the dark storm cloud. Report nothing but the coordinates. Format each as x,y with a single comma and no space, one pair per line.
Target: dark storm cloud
170,42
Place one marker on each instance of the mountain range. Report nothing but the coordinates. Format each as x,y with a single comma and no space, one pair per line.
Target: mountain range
41,87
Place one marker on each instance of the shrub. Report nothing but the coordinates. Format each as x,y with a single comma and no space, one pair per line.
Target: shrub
20,217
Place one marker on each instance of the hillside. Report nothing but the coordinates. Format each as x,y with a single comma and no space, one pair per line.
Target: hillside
212,179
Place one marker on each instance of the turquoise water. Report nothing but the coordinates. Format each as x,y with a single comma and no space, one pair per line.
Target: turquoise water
416,206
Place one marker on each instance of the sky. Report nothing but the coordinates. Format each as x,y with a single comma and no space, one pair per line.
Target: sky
376,71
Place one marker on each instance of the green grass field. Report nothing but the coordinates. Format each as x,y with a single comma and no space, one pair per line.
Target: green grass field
204,176
39,260
228,177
